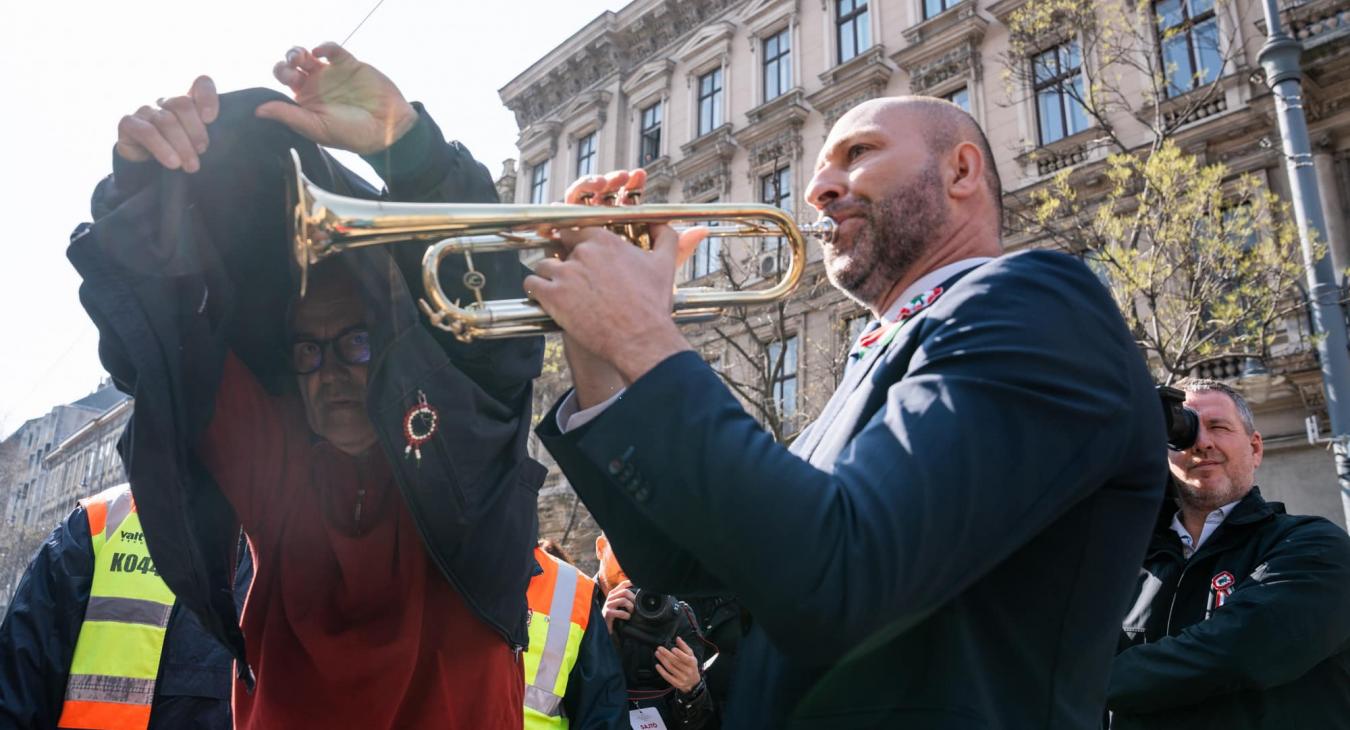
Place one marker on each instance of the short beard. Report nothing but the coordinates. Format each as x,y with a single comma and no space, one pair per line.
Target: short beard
896,232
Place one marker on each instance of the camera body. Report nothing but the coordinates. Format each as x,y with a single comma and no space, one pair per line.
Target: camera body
1183,424
655,622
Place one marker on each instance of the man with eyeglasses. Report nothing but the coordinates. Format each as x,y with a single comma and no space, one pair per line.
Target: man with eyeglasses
377,466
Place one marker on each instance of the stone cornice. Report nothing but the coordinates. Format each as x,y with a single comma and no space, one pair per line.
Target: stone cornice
958,22
760,16
652,77
774,130
609,45
590,105
536,138
660,176
860,78
943,47
705,166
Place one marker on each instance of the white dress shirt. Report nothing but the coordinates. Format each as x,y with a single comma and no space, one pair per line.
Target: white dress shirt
1212,522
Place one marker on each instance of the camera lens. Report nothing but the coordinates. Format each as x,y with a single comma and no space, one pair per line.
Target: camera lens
651,602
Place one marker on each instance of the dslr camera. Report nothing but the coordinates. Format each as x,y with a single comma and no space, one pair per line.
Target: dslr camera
1183,424
654,623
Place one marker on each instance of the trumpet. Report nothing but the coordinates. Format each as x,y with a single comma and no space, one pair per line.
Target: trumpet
323,224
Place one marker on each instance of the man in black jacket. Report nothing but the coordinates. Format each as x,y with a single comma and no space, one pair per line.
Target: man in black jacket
1241,615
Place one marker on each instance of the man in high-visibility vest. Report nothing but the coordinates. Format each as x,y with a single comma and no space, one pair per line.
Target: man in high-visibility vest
93,638
573,678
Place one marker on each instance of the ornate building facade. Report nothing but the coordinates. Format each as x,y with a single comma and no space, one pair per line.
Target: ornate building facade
730,100
48,464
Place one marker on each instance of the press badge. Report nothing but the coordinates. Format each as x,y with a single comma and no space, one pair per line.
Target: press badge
646,718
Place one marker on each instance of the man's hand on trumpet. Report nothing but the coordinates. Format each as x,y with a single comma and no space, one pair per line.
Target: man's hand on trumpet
612,299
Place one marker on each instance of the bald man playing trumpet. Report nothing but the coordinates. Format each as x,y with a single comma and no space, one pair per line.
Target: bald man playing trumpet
951,544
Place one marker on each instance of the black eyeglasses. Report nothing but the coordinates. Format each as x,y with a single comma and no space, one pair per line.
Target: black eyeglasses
352,346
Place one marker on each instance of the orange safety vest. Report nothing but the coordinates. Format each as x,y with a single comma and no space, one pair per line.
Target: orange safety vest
560,610
111,682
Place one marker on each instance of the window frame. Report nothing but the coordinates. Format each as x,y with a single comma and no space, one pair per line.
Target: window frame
714,98
1186,27
859,15
539,183
650,133
780,62
1057,83
586,152
779,380
943,6
965,88
779,180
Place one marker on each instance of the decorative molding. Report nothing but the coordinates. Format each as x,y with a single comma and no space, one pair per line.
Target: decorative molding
587,106
958,21
660,176
760,16
850,83
538,141
962,60
706,165
604,50
651,79
943,47
712,40
774,132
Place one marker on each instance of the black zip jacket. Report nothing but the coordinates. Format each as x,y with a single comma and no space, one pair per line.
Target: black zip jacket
38,636
1275,653
178,269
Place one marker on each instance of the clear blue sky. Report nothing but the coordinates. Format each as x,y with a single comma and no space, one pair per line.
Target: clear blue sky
72,69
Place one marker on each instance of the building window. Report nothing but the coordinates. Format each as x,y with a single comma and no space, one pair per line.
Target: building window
586,155
1059,92
707,258
649,145
539,183
853,30
709,101
960,97
785,377
775,189
777,65
1188,39
932,8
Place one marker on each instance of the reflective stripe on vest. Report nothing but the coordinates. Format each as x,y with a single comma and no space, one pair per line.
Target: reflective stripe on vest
112,675
560,610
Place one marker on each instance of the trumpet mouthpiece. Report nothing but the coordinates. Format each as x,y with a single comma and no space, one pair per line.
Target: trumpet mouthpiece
823,229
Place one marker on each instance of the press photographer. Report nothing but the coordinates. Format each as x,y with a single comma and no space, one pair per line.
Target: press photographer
661,649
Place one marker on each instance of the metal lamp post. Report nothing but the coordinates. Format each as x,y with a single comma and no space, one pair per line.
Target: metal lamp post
1279,58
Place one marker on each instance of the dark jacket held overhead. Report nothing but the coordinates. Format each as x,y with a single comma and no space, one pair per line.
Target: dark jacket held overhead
180,269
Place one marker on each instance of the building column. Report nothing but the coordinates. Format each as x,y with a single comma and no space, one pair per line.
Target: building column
1338,238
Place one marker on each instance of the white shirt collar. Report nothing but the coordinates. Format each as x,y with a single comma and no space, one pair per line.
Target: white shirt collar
928,281
1212,522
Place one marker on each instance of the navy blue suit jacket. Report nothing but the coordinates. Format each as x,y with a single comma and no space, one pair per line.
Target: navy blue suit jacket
950,545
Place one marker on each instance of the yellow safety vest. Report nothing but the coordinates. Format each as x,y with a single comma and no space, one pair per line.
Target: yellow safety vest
112,676
560,608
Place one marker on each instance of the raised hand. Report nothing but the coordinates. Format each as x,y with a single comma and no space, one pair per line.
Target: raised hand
618,604
174,131
339,101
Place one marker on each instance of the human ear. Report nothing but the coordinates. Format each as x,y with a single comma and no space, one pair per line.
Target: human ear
968,168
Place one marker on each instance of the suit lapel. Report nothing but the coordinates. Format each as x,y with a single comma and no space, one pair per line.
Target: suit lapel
838,419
